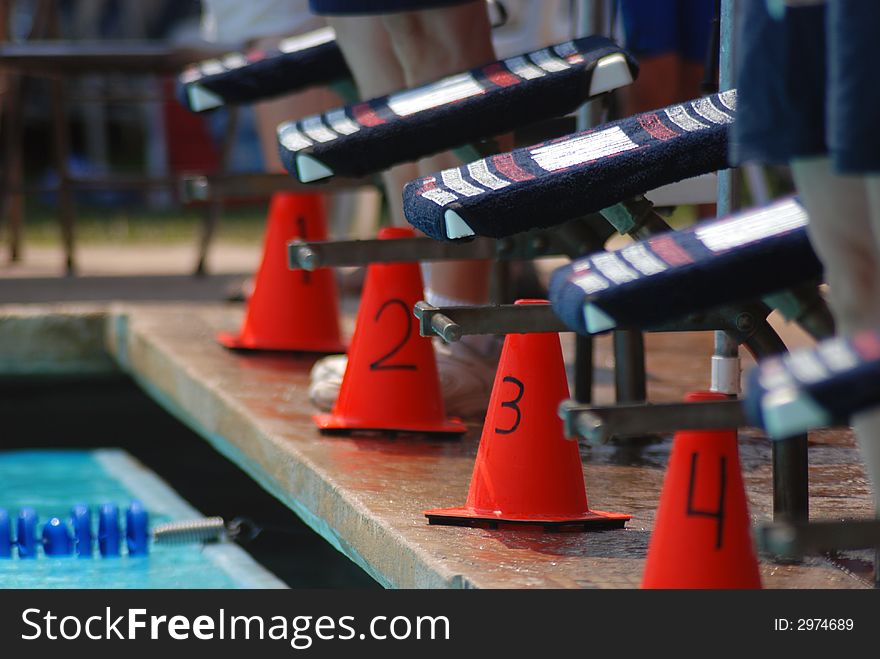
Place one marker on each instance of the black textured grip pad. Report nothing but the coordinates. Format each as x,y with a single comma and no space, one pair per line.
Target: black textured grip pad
550,183
670,275
816,386
238,78
373,135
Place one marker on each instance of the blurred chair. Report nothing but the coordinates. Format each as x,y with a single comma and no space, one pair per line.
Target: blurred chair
43,55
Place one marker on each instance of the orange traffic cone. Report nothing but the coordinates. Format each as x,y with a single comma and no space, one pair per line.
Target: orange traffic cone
391,381
702,534
526,471
288,309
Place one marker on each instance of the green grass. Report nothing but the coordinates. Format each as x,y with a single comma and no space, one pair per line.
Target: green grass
240,224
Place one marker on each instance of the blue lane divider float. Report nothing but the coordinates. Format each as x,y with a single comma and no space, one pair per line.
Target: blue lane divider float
137,533
108,530
26,533
56,538
5,535
81,521
75,537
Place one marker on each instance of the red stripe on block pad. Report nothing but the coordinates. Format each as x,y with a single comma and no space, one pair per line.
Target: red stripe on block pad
867,344
656,128
670,251
365,115
505,165
500,75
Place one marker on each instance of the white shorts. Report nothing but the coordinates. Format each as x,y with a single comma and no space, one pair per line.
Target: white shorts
235,23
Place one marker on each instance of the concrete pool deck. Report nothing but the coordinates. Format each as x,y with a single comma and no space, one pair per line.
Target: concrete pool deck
366,495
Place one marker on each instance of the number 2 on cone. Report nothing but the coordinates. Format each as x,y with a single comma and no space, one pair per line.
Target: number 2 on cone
381,363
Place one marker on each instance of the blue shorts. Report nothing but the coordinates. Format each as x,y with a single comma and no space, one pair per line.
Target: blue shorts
807,85
356,7
661,27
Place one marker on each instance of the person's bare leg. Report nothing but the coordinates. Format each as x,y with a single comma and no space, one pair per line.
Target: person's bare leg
431,44
840,231
367,48
269,114
844,230
868,424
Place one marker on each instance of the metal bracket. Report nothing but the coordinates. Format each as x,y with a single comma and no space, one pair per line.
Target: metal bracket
794,539
741,322
598,424
223,186
635,217
311,255
805,306
451,323
570,238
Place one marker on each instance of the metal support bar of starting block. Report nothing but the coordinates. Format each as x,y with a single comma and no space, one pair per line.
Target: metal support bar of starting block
636,217
796,539
748,325
599,424
574,237
451,323
226,186
311,255
793,539
805,306
745,323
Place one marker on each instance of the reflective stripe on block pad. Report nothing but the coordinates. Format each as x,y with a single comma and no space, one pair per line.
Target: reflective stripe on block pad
371,136
302,61
670,275
547,184
815,387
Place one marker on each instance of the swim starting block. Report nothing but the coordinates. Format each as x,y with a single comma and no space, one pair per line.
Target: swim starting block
548,183
239,78
373,135
813,388
673,274
786,395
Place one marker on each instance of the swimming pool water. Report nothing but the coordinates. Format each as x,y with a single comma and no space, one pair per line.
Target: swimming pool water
52,481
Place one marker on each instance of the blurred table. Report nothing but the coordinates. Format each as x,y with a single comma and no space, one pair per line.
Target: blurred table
55,57
58,61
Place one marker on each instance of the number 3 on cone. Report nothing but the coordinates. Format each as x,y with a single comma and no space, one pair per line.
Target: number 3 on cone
513,404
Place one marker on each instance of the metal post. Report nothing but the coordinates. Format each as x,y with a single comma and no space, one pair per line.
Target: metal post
14,178
725,361
501,288
61,130
156,148
214,209
790,468
629,345
629,366
66,201
583,369
791,497
791,480
587,20
726,370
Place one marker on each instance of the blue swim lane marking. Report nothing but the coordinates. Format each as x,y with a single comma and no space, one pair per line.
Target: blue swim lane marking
53,480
